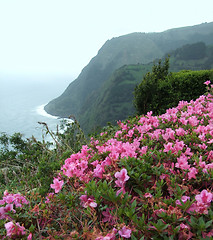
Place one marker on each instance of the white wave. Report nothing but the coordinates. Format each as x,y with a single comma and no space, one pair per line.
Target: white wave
40,110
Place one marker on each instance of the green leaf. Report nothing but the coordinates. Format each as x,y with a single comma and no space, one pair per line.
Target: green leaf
160,225
133,206
133,237
201,223
193,222
209,223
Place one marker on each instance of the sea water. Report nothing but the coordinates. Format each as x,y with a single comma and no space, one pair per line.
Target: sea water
22,101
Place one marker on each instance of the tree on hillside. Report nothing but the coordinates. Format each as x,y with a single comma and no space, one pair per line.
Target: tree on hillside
192,51
148,94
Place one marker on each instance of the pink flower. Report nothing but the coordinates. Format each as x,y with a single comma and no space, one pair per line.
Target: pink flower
2,213
14,229
179,145
193,121
207,82
169,134
108,217
57,185
182,162
183,120
148,195
48,197
85,201
159,211
183,199
101,134
209,234
106,162
168,147
120,190
95,163
203,202
109,236
118,133
188,152
210,141
202,146
122,177
192,208
125,232
8,208
9,199
156,134
202,164
180,132
143,150
30,236
98,171
184,226
6,193
204,197
130,133
91,202
192,173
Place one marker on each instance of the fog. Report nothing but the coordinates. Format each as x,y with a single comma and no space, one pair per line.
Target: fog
45,87
60,37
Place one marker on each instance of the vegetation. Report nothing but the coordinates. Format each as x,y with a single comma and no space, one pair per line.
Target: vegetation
195,56
160,89
149,93
149,177
28,165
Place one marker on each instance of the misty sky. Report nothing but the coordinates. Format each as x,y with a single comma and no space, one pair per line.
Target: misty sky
61,36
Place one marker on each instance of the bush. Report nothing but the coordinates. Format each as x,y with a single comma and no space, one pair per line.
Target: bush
160,90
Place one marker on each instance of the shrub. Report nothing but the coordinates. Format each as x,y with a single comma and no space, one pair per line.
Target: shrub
160,90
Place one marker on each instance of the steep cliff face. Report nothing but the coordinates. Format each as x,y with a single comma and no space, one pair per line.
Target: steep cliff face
132,48
82,96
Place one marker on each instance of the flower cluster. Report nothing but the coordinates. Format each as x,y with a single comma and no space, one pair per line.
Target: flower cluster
14,229
9,203
178,142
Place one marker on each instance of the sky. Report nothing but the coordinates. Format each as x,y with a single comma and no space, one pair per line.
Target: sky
60,37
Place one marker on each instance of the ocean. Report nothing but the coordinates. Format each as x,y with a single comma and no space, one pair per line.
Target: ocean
22,101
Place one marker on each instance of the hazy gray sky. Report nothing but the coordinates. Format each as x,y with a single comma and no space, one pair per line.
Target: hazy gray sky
61,36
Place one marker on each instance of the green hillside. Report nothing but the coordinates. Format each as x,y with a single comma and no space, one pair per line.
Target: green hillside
104,90
195,56
114,101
